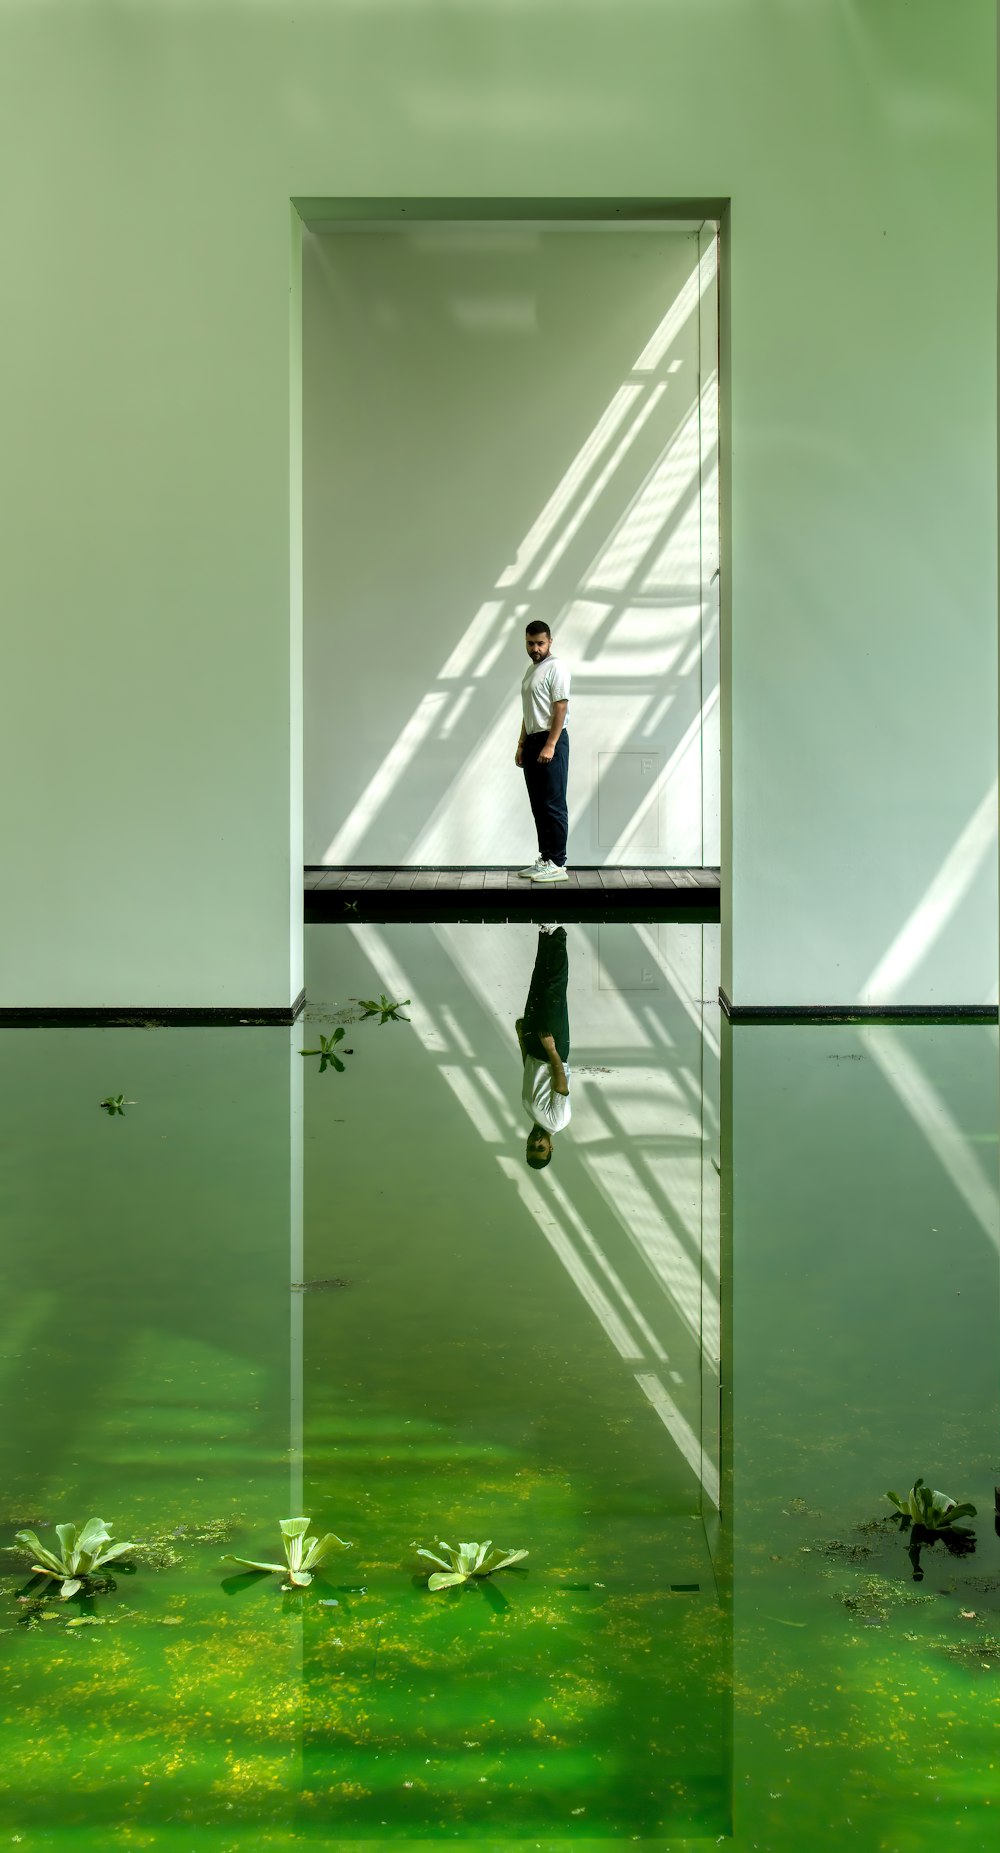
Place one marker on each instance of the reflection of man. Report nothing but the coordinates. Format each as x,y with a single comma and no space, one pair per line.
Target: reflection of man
543,752
543,1039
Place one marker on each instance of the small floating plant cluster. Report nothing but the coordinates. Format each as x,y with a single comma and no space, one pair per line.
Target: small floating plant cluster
75,1564
381,1007
923,1517
926,1516
329,1051
931,1511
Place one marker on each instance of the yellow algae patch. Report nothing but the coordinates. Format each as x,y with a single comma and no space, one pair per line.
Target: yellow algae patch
255,1774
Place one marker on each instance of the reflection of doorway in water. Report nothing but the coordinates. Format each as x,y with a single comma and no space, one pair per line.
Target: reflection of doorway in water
518,1358
509,422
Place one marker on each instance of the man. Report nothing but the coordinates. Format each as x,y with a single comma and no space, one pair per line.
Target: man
543,752
543,1039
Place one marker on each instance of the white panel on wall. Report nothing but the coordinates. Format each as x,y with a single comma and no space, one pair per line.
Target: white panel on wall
628,799
504,423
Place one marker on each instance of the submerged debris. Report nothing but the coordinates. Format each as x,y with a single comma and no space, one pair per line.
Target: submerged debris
847,1550
158,1549
984,1651
872,1598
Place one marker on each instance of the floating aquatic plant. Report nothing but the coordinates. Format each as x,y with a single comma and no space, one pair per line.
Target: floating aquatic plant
303,1554
467,1560
386,1012
327,1051
116,1103
934,1511
80,1553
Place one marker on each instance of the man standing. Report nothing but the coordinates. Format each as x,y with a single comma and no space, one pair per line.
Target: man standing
543,752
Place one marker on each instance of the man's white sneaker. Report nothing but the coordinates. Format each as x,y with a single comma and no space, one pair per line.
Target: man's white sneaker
550,871
529,874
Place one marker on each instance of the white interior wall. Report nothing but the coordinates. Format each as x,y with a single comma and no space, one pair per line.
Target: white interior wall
501,423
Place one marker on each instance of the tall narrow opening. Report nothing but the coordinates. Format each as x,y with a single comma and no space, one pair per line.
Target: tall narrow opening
508,420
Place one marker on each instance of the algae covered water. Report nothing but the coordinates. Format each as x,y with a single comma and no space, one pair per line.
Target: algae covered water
275,1284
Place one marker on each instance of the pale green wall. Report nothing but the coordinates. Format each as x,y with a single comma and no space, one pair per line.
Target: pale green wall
145,399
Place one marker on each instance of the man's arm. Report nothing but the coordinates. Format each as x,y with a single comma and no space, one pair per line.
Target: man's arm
520,746
560,1085
555,729
519,1032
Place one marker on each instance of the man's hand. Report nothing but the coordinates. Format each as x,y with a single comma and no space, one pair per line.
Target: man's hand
518,757
545,756
560,1085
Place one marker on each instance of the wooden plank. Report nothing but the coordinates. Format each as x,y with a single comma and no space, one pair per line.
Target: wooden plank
635,878
495,880
311,878
332,879
426,878
660,878
612,878
588,878
683,878
707,878
403,878
471,879
356,878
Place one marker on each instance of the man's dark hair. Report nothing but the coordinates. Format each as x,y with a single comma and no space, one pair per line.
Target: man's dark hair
537,629
539,1160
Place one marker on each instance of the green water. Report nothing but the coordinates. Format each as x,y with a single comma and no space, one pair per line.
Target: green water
499,1352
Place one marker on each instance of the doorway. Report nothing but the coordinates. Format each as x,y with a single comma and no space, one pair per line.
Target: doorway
507,421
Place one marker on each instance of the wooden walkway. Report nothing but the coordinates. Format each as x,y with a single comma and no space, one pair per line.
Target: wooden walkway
375,893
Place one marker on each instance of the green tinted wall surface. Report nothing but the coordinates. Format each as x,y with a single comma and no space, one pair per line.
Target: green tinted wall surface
147,564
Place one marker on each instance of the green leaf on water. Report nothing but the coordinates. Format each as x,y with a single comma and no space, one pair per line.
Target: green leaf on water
463,1562
303,1554
935,1511
385,1011
80,1553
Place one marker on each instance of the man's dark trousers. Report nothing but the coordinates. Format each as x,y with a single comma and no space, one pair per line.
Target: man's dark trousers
547,794
546,1012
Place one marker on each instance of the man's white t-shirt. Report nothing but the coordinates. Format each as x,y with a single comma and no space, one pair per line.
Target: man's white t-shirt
542,684
539,1099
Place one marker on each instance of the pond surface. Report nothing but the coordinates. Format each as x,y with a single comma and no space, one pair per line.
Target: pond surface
275,1285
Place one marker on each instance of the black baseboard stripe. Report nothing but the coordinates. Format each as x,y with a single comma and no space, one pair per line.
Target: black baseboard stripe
391,905
562,903
199,1017
858,1013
